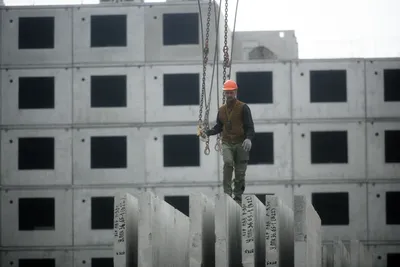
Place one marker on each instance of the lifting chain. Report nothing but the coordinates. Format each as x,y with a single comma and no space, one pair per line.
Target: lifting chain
226,64
204,124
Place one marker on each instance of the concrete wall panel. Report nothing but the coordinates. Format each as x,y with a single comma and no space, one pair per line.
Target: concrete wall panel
374,72
157,173
132,113
60,54
157,52
360,255
357,228
84,258
202,230
380,254
60,114
354,169
133,52
228,248
355,105
156,111
253,231
133,173
280,108
379,228
341,255
126,230
83,234
62,258
307,233
377,167
282,167
280,228
283,192
61,174
169,231
61,235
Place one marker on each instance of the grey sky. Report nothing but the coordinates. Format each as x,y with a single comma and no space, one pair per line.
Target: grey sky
325,29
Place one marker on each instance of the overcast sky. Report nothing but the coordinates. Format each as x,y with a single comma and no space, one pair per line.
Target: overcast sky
324,29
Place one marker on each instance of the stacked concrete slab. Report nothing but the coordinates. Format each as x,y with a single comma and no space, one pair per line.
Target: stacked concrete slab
360,255
279,236
228,245
149,232
341,255
253,232
307,233
336,254
163,234
126,217
202,230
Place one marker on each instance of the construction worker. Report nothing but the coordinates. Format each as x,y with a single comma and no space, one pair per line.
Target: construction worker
235,121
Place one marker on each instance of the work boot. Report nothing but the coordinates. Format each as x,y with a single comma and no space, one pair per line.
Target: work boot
238,200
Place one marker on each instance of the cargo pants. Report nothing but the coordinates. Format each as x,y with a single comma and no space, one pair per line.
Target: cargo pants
235,159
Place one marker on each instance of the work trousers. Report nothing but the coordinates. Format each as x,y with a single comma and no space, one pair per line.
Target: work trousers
235,159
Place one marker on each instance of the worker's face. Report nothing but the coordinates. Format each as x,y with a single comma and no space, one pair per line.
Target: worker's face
230,95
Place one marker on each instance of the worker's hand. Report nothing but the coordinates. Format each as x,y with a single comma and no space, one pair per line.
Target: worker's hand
203,135
246,145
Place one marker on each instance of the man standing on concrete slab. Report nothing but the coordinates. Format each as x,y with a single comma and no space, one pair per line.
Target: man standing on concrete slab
235,121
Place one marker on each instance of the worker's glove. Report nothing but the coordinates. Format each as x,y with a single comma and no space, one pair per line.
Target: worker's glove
246,145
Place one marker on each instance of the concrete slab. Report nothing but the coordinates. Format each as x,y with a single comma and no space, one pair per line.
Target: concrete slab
253,232
341,256
307,233
228,245
202,230
126,217
279,235
360,255
327,255
163,234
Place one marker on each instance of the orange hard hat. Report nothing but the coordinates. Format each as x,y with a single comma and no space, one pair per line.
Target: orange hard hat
230,85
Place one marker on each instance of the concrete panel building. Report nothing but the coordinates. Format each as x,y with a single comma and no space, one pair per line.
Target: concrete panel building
100,99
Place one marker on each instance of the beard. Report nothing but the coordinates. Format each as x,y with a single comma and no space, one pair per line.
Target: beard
230,98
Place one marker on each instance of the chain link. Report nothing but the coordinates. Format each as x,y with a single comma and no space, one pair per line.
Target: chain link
226,64
204,124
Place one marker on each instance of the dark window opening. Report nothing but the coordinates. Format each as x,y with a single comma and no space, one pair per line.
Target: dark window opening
255,87
108,31
332,208
181,151
102,216
392,145
262,197
102,262
36,93
262,150
392,208
36,214
36,262
181,29
181,89
180,203
108,152
108,91
36,153
391,85
329,147
328,86
393,260
36,33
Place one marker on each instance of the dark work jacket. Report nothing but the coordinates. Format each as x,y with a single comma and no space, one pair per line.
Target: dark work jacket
241,123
